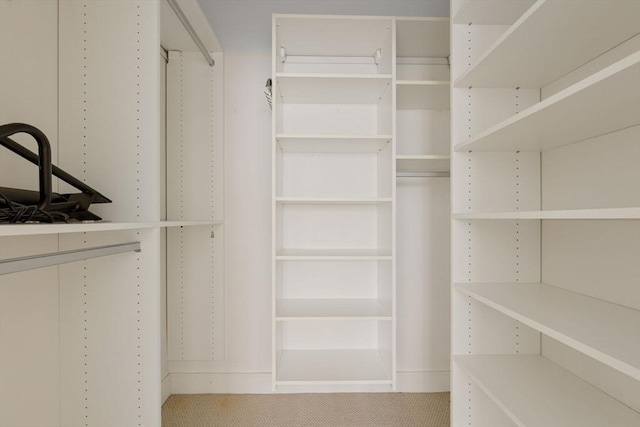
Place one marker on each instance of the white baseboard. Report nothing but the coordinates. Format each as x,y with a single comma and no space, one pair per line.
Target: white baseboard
165,388
260,383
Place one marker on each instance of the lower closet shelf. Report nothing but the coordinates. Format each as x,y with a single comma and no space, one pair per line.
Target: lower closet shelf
535,392
331,309
297,367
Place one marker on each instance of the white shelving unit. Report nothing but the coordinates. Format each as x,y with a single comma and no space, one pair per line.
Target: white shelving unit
333,201
546,213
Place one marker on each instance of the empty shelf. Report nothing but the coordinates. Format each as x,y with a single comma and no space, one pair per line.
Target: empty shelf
612,213
332,88
297,143
535,392
332,255
331,309
331,367
422,37
333,200
422,95
608,332
603,102
491,12
551,39
422,163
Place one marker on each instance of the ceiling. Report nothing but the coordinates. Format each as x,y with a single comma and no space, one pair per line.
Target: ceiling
245,25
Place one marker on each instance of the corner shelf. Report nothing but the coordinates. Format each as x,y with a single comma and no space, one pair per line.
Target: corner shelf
607,332
331,309
604,213
603,102
422,94
302,88
491,12
535,392
297,367
300,143
524,56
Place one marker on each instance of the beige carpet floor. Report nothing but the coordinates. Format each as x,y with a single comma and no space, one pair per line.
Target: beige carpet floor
298,410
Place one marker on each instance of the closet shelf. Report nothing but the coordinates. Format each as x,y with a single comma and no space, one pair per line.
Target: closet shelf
300,143
301,88
604,213
298,367
603,102
535,392
331,309
332,255
422,163
491,12
607,332
412,34
333,200
422,95
551,39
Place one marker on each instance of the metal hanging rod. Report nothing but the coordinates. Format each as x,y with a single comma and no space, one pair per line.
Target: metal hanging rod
187,25
422,174
15,265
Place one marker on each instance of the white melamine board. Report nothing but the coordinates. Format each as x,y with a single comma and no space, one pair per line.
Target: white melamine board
574,33
602,172
581,256
331,309
195,293
110,333
320,35
534,391
332,119
422,37
613,213
422,132
471,41
607,332
332,201
490,12
337,334
426,163
109,117
332,143
29,337
332,367
332,254
423,265
604,102
423,95
28,83
195,160
331,88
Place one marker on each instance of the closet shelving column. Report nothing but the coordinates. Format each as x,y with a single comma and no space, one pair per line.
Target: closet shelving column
546,141
333,201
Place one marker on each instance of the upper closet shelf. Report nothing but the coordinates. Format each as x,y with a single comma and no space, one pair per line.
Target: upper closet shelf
608,332
422,95
603,102
299,88
535,392
300,143
603,213
422,37
551,39
491,12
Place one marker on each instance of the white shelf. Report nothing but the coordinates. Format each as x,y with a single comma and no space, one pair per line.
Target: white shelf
333,200
299,88
534,392
298,143
422,37
611,213
332,255
422,95
607,332
603,102
491,12
169,224
331,309
298,367
551,39
422,163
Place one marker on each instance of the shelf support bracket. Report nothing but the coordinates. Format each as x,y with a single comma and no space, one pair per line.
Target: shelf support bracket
15,265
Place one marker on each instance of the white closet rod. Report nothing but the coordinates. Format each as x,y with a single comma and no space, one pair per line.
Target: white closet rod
15,265
187,25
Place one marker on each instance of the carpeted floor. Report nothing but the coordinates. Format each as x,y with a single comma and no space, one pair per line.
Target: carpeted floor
289,410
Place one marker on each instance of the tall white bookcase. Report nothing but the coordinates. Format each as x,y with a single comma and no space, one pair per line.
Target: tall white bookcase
546,209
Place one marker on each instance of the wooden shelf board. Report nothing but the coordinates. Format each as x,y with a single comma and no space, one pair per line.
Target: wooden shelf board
331,367
425,37
603,102
426,95
607,332
299,88
332,255
331,309
333,200
535,392
574,33
299,143
612,213
491,12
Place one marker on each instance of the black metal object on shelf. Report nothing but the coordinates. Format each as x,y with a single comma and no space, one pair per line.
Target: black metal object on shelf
19,205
